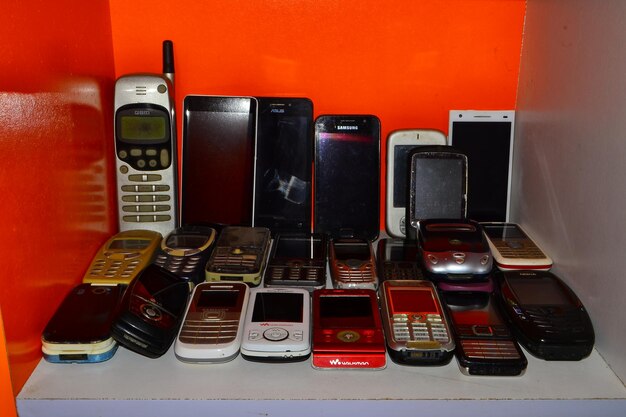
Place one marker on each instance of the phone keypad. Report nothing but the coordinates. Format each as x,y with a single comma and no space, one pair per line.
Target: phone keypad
227,257
518,249
401,271
419,328
350,275
201,329
490,349
109,269
178,264
142,200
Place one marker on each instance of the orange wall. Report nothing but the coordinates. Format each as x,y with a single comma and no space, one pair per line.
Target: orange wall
406,61
56,141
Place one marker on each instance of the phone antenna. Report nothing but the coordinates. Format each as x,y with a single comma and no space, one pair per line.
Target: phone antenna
168,60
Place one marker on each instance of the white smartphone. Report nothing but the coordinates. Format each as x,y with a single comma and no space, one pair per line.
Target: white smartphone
399,145
513,249
278,325
486,138
213,325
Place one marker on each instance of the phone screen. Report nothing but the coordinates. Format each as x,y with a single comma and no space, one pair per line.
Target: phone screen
408,300
359,251
347,177
438,186
278,307
299,248
400,170
538,291
504,232
341,311
218,159
284,157
472,309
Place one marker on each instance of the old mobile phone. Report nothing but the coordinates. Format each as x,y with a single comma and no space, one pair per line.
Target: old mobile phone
185,251
122,257
151,311
347,330
513,249
297,260
80,329
484,344
398,259
546,316
486,137
213,325
146,149
240,254
278,325
400,143
352,264
218,154
415,324
454,250
283,164
347,177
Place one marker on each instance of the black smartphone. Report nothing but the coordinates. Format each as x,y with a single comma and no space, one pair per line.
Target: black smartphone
284,164
484,344
218,159
347,176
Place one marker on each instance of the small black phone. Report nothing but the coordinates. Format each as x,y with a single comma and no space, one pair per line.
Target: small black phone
151,311
398,259
283,164
347,176
297,260
546,316
484,344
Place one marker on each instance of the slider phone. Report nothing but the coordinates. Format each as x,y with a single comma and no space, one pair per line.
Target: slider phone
80,329
513,249
545,315
398,259
416,328
297,261
122,257
347,330
213,325
353,264
277,326
151,311
185,252
484,344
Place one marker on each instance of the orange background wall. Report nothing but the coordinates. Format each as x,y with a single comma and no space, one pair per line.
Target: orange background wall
406,61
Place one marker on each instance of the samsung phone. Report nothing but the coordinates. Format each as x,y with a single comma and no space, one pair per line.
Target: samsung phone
146,149
546,316
283,164
297,261
398,259
213,325
347,330
416,328
486,137
218,154
80,329
513,249
347,176
277,327
484,344
352,264
240,254
122,257
186,250
400,143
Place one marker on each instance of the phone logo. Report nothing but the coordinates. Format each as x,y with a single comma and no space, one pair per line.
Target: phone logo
339,362
347,127
277,110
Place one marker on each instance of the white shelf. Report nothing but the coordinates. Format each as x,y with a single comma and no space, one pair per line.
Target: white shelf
130,384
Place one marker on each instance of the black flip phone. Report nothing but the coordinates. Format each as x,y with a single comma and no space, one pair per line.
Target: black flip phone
347,176
284,164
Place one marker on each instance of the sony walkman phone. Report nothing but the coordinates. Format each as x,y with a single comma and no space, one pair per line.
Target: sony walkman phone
218,154
297,261
146,149
484,344
240,254
352,264
283,164
151,311
213,326
347,330
437,185
122,257
398,259
278,325
513,249
545,315
185,251
347,176
399,145
486,137
454,250
416,328
80,329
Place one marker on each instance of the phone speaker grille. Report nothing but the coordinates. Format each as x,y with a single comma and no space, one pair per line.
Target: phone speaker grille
141,90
